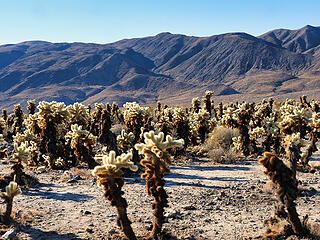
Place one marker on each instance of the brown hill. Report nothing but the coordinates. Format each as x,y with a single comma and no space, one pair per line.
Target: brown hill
167,67
294,40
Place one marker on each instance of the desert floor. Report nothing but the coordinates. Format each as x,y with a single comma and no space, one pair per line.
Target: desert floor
206,201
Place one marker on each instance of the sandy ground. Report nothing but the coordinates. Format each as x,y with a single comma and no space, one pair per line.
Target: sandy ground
206,202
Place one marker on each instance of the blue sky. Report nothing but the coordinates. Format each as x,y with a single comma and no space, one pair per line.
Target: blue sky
104,21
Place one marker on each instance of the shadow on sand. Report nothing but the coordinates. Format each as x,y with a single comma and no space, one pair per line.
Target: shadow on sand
38,234
44,193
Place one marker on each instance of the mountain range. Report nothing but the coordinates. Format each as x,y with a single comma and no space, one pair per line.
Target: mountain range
171,68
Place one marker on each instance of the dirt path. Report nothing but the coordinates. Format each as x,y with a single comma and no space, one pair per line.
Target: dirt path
206,202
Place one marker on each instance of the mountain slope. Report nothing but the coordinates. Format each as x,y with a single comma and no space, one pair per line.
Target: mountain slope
167,67
294,40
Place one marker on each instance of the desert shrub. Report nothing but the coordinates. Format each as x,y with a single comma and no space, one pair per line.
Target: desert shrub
220,145
220,155
221,137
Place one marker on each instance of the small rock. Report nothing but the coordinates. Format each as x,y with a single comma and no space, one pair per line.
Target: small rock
72,180
111,215
10,234
173,214
89,230
86,212
190,207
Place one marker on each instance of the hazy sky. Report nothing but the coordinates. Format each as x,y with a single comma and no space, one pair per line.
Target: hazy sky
104,21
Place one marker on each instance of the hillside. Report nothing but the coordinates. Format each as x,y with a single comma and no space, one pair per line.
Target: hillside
168,67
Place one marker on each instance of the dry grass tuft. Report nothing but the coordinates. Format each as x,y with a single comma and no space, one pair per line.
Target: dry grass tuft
220,145
221,137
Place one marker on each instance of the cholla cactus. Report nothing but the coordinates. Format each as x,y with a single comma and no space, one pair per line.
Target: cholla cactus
181,124
51,116
110,177
294,119
2,124
156,163
32,106
81,141
21,155
125,141
106,136
240,118
202,120
314,137
96,116
287,190
12,190
3,153
15,122
261,112
79,114
135,118
207,101
195,105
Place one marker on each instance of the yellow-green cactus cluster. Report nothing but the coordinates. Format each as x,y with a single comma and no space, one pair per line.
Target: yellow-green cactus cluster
134,109
236,141
12,190
229,116
79,136
270,126
179,114
2,123
296,139
195,104
79,114
201,116
26,136
258,132
53,111
22,152
125,140
154,147
32,123
208,94
111,165
315,121
99,106
262,110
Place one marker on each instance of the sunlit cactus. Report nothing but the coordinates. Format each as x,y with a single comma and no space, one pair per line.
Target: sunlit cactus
135,118
207,101
22,154
240,117
125,141
156,162
116,113
164,120
2,124
109,176
79,114
82,142
181,124
314,138
202,120
52,117
294,119
12,190
195,105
